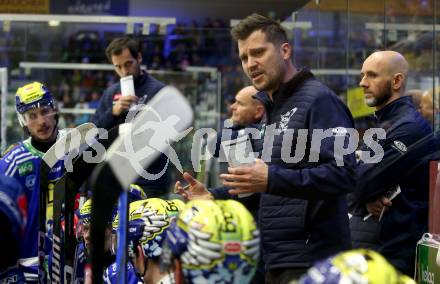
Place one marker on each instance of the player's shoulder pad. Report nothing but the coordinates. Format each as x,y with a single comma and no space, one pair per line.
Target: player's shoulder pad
9,149
13,151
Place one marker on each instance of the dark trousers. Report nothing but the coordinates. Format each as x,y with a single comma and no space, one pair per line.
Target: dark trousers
284,275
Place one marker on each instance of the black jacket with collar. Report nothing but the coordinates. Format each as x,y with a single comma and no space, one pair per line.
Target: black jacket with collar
303,214
407,149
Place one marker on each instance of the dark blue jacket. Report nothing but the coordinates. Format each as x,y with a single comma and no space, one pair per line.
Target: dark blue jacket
146,87
408,145
303,214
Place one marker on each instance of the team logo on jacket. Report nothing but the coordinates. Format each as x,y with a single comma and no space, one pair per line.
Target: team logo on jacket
399,146
25,168
30,181
285,118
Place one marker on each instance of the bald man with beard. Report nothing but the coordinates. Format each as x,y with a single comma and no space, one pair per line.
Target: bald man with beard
395,223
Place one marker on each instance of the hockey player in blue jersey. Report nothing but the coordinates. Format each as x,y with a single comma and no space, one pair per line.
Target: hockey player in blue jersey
109,257
148,223
38,116
13,214
135,193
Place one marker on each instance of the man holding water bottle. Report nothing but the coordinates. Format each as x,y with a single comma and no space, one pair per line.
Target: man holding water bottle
135,87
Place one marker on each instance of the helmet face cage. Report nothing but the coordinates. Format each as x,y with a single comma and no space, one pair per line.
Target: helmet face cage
85,212
32,96
215,241
85,217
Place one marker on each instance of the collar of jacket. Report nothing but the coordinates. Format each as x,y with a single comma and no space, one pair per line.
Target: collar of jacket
263,97
140,80
286,89
395,109
237,127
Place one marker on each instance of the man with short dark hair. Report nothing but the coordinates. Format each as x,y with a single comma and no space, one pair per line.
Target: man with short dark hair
125,55
303,211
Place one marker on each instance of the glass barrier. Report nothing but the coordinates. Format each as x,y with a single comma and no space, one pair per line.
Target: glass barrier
332,38
343,33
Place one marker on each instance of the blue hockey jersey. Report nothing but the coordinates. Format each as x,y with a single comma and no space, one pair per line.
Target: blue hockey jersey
22,161
111,274
12,275
80,263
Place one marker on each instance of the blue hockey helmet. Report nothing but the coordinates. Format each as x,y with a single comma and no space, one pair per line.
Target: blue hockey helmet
30,96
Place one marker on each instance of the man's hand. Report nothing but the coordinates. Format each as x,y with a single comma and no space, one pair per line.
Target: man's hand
195,190
376,207
123,104
247,179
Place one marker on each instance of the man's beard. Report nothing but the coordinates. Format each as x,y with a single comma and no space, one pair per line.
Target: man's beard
380,100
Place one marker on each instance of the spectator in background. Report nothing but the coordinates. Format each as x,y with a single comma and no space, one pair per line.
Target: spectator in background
125,55
94,100
430,110
400,222
82,105
67,104
416,96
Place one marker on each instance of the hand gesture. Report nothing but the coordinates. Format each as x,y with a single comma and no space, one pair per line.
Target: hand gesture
247,179
194,190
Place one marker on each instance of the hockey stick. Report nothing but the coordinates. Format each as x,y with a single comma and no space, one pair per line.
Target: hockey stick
121,253
65,144
65,190
168,114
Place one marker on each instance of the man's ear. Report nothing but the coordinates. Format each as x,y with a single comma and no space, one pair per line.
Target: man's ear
259,112
286,50
398,81
139,260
